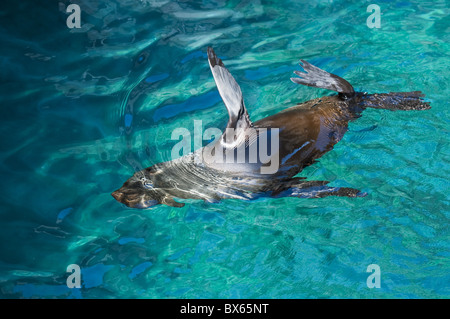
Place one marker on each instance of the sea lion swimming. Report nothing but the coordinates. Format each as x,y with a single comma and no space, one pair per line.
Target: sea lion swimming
303,133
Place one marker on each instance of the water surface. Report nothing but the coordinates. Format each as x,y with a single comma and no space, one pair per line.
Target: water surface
82,109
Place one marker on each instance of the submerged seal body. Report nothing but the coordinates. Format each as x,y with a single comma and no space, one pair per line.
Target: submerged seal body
228,167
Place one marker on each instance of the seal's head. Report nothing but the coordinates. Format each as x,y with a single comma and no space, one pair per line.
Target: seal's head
138,192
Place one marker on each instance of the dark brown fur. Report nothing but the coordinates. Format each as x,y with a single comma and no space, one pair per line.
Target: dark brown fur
307,131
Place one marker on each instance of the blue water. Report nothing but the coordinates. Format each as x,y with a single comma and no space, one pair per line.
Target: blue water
82,109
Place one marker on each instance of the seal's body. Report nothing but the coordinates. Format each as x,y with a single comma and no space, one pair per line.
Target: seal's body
303,133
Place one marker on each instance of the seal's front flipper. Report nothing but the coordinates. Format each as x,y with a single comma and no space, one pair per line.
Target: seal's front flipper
322,79
404,101
169,201
230,92
318,189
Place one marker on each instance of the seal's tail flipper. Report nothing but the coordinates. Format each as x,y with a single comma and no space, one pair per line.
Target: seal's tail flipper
405,101
318,189
322,79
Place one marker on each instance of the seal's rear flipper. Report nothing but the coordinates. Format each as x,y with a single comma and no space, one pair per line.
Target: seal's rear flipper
322,79
405,101
230,92
318,189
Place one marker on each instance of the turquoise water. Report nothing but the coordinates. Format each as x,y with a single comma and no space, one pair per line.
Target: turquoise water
82,109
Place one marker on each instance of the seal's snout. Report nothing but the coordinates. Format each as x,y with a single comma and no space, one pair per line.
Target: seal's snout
118,195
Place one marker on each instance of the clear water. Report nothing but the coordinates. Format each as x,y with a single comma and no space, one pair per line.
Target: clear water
83,108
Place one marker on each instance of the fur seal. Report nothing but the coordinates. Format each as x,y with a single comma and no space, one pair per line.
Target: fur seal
304,133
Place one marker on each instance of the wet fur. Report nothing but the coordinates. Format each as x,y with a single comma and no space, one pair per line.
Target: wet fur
307,131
